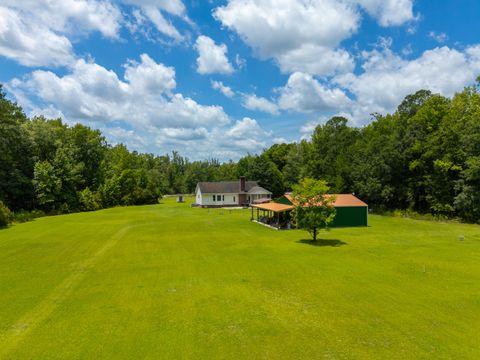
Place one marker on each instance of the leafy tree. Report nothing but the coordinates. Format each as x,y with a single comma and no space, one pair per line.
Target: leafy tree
47,185
293,170
330,155
263,170
313,210
16,165
277,154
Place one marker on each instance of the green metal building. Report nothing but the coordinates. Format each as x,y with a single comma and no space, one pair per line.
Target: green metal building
351,211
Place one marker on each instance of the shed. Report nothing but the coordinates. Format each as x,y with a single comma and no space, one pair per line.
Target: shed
351,211
179,198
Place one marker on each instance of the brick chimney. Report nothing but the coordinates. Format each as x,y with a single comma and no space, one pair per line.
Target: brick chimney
242,183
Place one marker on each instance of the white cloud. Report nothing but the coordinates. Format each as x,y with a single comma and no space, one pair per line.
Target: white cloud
155,11
141,109
225,90
279,29
315,59
70,16
247,135
241,62
160,22
387,78
212,58
438,37
253,102
144,96
389,12
30,43
304,93
36,32
274,26
305,35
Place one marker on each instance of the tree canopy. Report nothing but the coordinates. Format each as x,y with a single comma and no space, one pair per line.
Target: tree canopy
313,209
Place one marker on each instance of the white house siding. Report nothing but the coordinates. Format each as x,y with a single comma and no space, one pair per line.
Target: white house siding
198,197
258,194
226,199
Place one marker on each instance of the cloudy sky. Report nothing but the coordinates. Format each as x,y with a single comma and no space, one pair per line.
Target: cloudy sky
223,78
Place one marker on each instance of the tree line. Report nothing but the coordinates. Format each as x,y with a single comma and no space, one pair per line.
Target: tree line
424,157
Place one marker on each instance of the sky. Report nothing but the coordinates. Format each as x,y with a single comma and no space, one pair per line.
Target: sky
220,79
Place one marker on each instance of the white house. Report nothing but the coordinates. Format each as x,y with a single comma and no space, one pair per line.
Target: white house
230,193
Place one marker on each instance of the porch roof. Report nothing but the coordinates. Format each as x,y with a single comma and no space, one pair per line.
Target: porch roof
275,207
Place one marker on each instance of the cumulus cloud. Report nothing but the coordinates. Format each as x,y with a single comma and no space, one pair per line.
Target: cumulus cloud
225,90
36,32
253,102
39,32
304,93
315,59
157,12
141,109
70,16
279,30
389,12
32,44
305,35
387,78
212,58
247,134
384,80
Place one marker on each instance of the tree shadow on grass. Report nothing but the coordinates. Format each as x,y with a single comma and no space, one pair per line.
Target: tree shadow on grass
323,242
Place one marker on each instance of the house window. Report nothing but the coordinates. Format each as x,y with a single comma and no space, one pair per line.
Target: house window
219,197
234,199
213,197
223,197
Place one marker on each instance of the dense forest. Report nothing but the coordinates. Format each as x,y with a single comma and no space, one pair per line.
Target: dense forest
424,157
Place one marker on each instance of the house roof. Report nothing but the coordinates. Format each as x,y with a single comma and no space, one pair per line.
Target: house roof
275,207
341,200
225,187
258,189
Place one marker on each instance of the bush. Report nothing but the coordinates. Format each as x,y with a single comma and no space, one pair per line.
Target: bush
411,214
24,216
5,215
89,200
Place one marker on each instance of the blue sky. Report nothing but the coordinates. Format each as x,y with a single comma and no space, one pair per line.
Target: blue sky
224,78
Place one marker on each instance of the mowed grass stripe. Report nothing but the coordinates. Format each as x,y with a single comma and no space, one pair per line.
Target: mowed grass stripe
12,337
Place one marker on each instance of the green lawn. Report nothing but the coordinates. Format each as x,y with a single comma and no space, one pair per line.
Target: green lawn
172,282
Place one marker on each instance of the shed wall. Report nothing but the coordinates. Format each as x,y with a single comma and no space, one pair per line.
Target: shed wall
349,216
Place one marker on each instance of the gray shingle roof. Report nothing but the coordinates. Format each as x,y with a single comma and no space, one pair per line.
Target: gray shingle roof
225,187
260,189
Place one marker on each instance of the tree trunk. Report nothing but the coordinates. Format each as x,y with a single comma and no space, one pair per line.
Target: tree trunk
314,234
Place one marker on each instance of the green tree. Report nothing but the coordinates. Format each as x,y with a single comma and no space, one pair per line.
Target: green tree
330,155
313,209
263,170
16,165
47,185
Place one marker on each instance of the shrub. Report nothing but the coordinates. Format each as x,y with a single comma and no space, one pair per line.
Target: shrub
5,215
24,216
89,200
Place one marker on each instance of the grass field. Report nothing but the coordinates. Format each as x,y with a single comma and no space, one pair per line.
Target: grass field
172,282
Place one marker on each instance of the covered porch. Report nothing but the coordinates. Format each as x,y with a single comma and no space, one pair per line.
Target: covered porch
273,215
